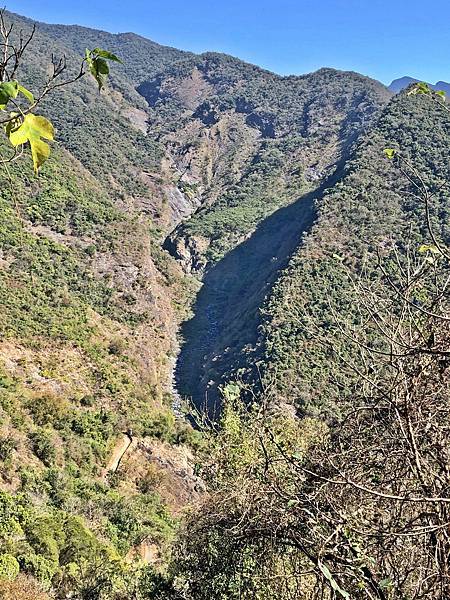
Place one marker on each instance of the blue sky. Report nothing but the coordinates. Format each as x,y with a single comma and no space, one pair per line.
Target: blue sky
376,37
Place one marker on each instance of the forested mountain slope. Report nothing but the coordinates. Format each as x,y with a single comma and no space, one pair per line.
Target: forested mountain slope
247,142
332,482
87,337
107,132
374,204
226,166
255,149
244,329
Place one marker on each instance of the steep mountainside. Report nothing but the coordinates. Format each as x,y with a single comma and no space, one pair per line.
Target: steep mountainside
246,142
115,149
242,326
374,204
254,149
321,482
224,164
106,204
87,335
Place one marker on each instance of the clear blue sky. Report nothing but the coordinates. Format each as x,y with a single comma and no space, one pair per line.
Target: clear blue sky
381,38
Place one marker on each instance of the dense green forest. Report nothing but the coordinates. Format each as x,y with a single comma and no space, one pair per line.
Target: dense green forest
372,205
266,254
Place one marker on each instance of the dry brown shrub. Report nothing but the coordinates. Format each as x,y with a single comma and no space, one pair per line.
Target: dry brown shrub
22,588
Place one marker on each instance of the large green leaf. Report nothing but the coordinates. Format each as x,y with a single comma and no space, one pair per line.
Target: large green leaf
28,95
96,61
106,54
11,89
8,90
333,583
100,70
32,129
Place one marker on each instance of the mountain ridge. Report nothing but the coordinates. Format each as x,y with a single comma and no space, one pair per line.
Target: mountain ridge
397,85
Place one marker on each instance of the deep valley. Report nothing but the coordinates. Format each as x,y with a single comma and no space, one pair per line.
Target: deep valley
224,327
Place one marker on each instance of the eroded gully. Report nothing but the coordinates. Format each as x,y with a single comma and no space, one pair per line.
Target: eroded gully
222,336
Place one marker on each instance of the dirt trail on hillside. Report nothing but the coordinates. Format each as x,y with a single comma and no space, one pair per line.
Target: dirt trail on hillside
120,448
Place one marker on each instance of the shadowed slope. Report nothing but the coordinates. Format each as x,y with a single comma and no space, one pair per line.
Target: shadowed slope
222,336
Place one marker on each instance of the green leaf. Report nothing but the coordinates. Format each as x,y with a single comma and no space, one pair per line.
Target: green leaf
420,88
100,70
28,95
102,66
428,248
96,61
333,583
32,129
390,153
106,54
8,90
232,391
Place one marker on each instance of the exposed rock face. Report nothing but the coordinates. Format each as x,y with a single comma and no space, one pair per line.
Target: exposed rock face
181,205
137,117
242,142
168,469
189,251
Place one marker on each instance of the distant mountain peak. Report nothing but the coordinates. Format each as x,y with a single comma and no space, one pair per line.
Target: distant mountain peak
403,82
